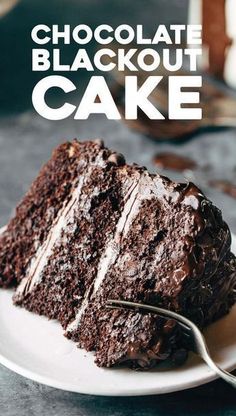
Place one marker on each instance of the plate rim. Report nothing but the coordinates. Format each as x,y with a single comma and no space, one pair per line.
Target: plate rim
47,381
71,387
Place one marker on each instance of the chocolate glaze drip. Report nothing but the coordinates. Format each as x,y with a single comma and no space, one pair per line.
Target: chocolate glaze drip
161,129
225,186
173,161
215,35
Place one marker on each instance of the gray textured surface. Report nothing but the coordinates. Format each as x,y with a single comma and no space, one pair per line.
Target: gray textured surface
26,141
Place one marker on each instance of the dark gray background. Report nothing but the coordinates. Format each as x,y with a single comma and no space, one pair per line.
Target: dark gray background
26,141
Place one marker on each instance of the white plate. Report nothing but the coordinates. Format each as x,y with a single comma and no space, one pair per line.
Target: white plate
34,347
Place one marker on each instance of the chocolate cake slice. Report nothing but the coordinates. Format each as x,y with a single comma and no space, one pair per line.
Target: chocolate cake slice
91,228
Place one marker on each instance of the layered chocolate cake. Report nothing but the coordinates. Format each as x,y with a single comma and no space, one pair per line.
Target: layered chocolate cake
92,228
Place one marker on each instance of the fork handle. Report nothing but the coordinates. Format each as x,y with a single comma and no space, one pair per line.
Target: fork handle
225,375
199,347
203,352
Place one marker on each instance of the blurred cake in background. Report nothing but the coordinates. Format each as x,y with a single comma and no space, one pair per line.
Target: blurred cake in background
219,36
6,6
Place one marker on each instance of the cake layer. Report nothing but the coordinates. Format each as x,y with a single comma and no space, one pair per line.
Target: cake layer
65,267
29,228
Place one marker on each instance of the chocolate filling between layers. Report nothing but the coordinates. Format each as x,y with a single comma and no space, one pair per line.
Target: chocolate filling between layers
70,260
34,217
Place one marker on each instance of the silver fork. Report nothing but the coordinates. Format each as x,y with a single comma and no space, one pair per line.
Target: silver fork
192,336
